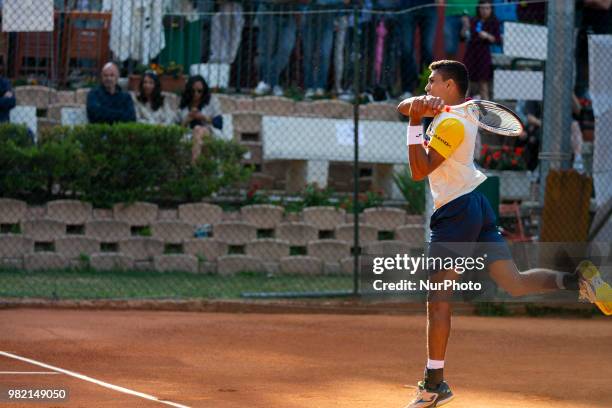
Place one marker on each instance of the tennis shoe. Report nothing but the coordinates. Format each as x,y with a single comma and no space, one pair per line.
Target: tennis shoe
431,398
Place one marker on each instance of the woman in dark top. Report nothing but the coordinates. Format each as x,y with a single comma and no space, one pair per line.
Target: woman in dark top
201,112
484,31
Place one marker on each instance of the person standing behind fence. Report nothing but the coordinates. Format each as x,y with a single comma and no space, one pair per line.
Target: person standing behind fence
594,18
457,23
423,15
150,105
226,32
108,103
345,48
201,112
275,41
317,39
7,100
484,31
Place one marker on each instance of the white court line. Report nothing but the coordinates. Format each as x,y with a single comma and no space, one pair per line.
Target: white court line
93,380
27,373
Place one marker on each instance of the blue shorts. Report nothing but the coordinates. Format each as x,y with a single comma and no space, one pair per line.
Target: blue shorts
467,227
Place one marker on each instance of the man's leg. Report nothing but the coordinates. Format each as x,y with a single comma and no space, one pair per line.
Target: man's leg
438,328
198,134
455,228
340,41
433,391
284,46
409,72
428,24
452,33
327,38
265,43
533,281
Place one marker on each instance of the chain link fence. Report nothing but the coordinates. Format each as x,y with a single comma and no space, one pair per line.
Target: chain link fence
290,160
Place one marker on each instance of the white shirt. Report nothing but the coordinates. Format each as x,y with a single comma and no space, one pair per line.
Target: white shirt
454,138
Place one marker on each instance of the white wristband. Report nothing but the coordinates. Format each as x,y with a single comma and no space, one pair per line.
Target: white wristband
414,135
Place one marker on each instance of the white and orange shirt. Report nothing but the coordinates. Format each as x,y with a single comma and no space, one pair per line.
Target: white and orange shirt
454,138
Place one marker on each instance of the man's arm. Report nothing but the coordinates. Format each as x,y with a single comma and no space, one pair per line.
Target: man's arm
404,106
94,107
422,161
128,113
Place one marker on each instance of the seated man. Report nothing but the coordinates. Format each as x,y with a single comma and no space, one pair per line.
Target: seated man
108,103
7,99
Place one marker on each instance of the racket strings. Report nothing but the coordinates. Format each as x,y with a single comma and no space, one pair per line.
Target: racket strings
496,117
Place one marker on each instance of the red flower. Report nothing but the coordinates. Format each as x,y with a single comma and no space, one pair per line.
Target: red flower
497,155
253,190
506,148
488,160
519,151
514,162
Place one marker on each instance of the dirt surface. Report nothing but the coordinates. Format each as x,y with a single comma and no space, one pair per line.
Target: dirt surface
294,361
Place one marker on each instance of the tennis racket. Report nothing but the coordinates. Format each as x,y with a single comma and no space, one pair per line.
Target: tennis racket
490,116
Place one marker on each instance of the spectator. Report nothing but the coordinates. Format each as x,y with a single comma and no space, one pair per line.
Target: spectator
386,44
576,134
226,32
151,106
317,36
201,112
275,41
354,49
596,18
457,23
484,31
530,113
108,103
7,100
340,30
424,16
344,45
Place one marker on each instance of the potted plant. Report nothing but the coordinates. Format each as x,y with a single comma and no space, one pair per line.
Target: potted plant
170,76
509,165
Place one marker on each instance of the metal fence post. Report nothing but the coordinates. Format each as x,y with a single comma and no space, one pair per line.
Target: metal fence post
558,82
357,90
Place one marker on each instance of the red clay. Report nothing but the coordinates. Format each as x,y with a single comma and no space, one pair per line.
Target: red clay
294,361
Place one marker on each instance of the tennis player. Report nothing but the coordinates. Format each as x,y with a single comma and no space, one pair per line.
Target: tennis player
461,215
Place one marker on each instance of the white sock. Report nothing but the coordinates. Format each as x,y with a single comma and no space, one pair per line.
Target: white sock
435,364
559,280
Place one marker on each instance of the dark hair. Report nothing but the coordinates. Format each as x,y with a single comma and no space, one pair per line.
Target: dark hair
454,70
187,96
480,3
157,99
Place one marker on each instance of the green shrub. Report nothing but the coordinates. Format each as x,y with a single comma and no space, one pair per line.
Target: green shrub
413,191
16,150
107,164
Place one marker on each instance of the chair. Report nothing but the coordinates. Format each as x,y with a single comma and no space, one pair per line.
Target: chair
86,41
513,211
41,47
25,115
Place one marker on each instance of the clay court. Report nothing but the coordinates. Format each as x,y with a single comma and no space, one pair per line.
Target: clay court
301,360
